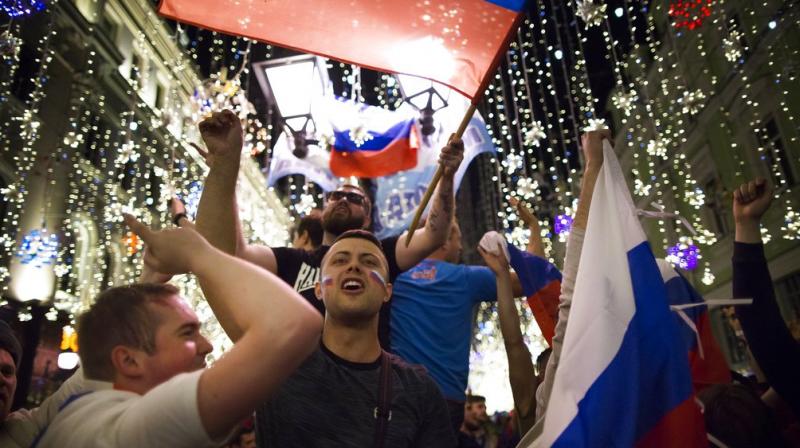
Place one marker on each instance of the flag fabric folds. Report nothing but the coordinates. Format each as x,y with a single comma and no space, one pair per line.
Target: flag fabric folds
541,284
381,153
623,377
706,361
455,43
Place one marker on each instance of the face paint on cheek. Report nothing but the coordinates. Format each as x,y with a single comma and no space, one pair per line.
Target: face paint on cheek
327,281
378,278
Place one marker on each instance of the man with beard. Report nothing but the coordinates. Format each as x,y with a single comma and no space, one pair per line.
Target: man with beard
475,431
346,208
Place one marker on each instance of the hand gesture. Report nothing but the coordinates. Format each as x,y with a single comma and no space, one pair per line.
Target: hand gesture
525,213
222,134
451,156
170,251
592,144
751,200
496,260
148,275
204,154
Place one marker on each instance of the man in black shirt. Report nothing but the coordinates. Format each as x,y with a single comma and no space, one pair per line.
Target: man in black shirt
346,208
334,398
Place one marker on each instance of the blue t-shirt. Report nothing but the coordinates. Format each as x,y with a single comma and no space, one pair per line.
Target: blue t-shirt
431,320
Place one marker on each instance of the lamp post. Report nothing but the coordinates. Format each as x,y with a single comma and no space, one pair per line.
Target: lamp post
426,97
293,85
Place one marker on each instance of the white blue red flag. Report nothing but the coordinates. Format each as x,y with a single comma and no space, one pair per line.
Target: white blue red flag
541,285
457,43
623,378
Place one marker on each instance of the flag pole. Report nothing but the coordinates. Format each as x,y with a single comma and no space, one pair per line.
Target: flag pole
435,181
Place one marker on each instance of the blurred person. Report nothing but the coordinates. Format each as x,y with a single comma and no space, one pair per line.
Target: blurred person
475,430
346,208
145,340
307,235
349,392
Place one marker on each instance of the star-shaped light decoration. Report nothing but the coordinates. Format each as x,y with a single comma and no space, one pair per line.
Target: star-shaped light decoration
526,188
513,162
696,198
590,12
127,153
625,101
595,124
30,125
732,46
13,194
9,45
305,205
708,276
360,135
534,134
4,273
684,254
641,188
692,101
658,147
791,227
61,270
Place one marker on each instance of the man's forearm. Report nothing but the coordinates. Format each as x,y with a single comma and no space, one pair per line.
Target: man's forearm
590,175
217,214
441,214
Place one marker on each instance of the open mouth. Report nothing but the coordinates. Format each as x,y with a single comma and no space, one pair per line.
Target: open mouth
352,285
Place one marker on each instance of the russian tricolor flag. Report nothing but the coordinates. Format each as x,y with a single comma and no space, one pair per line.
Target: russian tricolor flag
541,284
380,152
457,43
707,363
623,377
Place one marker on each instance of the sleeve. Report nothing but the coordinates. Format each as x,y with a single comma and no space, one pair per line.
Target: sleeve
482,283
22,426
165,416
436,429
571,264
285,257
390,250
772,345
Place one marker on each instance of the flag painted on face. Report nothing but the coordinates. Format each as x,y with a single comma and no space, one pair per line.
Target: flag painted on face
375,152
541,284
455,43
706,360
623,377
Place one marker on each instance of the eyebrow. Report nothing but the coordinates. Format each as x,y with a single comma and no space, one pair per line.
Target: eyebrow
188,326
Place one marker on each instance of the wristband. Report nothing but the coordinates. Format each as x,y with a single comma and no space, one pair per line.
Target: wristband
177,218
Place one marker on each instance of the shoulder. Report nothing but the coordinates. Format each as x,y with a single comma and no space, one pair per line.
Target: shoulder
411,374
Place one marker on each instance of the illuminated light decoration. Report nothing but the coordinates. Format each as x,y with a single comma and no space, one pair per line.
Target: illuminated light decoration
513,162
765,235
21,8
590,12
13,194
732,46
127,153
595,124
684,254
696,198
625,101
692,101
9,45
133,244
519,236
38,248
61,270
689,14
708,277
641,188
526,188
360,135
191,200
68,358
535,134
791,227
563,224
305,205
4,273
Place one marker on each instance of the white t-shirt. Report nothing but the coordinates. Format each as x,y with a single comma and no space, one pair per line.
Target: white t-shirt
166,416
22,426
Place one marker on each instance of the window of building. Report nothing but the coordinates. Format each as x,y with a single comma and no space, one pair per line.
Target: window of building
774,154
714,211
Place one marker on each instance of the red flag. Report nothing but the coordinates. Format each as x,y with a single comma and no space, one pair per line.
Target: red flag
455,42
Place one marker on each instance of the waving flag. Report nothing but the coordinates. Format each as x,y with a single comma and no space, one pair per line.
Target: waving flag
381,152
541,284
623,378
706,360
457,43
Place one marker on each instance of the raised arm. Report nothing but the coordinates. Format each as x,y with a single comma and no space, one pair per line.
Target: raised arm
772,345
526,215
275,329
437,226
520,365
218,212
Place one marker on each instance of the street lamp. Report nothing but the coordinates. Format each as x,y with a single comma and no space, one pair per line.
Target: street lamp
293,84
425,96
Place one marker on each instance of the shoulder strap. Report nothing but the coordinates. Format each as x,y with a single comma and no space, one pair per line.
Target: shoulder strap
383,412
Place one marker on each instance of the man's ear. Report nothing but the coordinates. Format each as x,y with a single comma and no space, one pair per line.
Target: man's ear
318,290
388,292
128,362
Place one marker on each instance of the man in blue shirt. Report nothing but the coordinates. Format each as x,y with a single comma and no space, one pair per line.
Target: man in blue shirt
431,320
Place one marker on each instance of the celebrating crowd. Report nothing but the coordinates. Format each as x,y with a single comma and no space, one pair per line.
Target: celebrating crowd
345,340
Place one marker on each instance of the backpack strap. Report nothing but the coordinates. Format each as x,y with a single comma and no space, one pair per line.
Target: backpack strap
383,412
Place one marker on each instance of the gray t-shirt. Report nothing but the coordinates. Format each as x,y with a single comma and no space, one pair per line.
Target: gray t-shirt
329,402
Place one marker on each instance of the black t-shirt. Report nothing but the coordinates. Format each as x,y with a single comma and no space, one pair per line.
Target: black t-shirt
301,269
330,402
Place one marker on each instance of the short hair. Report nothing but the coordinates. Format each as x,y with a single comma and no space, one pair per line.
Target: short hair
10,343
360,234
312,224
735,415
472,399
120,316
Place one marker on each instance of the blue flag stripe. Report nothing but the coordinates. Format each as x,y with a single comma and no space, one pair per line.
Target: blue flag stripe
514,5
379,141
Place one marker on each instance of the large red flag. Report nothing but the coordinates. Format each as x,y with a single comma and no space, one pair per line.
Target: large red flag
455,42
